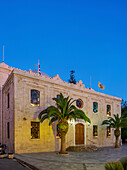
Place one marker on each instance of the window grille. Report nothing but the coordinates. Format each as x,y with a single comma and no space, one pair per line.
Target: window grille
35,130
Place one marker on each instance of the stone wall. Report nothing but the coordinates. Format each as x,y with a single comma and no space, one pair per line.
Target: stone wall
8,114
48,89
0,114
5,71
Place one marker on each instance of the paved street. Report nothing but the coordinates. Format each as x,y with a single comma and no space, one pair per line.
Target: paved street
11,164
75,160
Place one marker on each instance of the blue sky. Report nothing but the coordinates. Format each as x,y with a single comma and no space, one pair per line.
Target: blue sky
89,37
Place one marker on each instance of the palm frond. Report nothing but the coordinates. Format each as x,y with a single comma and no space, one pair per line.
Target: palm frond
54,113
43,118
63,111
81,115
72,115
106,122
72,103
116,122
53,119
42,113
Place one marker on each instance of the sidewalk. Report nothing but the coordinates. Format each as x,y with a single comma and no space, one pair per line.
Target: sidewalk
11,164
73,161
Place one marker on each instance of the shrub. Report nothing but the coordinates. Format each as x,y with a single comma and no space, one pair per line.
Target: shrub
114,165
124,162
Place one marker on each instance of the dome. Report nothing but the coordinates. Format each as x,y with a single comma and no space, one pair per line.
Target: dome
41,73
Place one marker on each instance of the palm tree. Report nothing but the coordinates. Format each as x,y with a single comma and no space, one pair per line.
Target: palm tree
62,112
116,123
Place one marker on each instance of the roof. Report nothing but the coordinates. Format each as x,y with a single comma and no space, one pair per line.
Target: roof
4,65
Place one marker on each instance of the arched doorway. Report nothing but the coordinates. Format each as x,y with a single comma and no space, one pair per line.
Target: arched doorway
79,134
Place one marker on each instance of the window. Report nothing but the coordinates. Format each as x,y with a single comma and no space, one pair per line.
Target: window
79,103
108,110
8,100
8,130
95,107
95,130
57,135
35,98
108,132
58,97
35,130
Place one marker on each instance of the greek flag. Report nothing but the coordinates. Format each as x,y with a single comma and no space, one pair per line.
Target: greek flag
39,72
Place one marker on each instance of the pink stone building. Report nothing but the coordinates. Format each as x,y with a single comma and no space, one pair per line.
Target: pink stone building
23,94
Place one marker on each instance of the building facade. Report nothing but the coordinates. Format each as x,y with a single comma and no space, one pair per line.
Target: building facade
23,94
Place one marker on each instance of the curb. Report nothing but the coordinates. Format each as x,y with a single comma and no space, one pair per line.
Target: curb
26,164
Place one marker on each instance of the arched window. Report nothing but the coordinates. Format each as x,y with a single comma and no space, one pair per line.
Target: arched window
95,130
108,110
95,107
35,97
57,132
108,132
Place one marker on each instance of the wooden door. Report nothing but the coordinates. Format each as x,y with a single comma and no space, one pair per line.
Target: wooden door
79,134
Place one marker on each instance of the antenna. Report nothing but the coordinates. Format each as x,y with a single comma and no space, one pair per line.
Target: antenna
3,53
35,66
90,81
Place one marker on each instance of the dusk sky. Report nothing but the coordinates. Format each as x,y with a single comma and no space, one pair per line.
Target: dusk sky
89,37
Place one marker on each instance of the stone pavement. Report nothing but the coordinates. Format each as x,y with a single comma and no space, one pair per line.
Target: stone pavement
11,164
73,161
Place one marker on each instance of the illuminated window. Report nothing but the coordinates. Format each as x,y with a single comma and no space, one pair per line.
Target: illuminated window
8,100
108,132
35,98
95,130
108,110
57,135
95,107
79,103
35,130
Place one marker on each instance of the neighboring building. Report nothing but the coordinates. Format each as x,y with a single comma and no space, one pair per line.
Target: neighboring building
24,94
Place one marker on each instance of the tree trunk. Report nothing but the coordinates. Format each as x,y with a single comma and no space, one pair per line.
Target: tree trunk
117,142
63,146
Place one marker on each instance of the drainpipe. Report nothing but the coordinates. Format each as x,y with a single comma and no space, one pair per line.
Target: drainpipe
1,114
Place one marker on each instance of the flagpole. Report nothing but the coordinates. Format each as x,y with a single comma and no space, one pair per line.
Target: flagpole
98,86
3,53
38,66
90,82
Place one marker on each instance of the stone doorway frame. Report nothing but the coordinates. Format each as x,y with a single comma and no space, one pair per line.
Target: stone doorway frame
84,123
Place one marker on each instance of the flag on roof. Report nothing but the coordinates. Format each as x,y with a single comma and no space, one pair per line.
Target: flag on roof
101,86
39,68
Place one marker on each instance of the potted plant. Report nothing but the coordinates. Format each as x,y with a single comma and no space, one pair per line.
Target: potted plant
10,155
2,151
